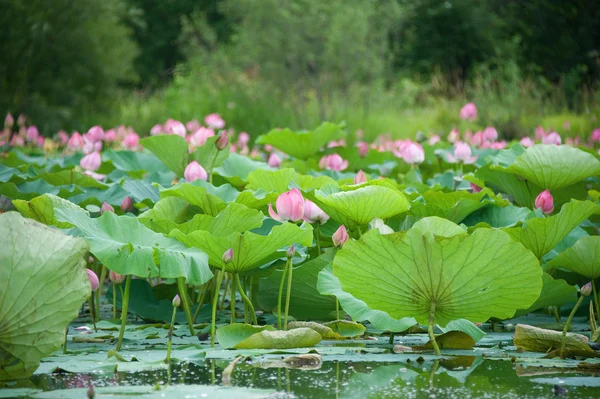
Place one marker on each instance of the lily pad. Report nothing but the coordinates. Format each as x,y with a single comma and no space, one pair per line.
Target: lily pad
536,339
340,329
243,336
231,335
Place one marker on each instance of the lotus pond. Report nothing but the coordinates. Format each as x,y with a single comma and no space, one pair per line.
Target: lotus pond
306,264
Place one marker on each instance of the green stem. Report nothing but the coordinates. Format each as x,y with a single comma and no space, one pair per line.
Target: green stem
124,308
225,291
114,301
186,303
318,238
170,337
288,294
214,307
212,167
200,303
99,291
232,300
337,308
92,311
245,298
66,337
279,325
359,231
391,341
430,329
556,314
564,334
596,300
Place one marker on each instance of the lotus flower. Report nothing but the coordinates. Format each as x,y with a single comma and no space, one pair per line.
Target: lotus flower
526,142
468,112
131,141
453,136
90,146
156,129
552,138
290,206
106,207
110,135
75,142
9,121
173,126
462,154
340,236
313,214
474,188
95,134
91,161
195,171
360,177
333,162
94,282
200,136
412,153
215,121
116,277
274,161
363,148
586,290
545,202
291,251
32,134
192,125
243,139
434,139
127,204
490,134
63,137
228,256
595,136
222,141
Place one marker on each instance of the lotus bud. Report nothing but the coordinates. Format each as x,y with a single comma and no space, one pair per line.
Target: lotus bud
453,136
545,202
222,141
9,121
290,252
490,134
75,141
468,112
340,236
412,153
243,139
313,214
333,162
215,121
176,301
274,161
552,138
290,206
127,204
228,256
360,177
116,277
106,207
195,171
94,282
91,161
586,290
363,148
21,120
95,134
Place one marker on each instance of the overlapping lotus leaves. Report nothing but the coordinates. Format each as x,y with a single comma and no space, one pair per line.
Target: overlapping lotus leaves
236,169
302,144
582,258
42,285
126,246
283,179
204,195
439,226
552,167
243,336
355,206
540,235
171,149
250,250
134,161
497,217
466,276
554,293
167,213
42,208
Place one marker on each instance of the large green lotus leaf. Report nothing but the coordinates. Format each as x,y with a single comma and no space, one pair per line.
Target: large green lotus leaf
234,218
230,335
256,199
42,208
582,258
355,206
454,206
171,149
251,337
306,301
552,167
142,191
438,226
29,190
523,193
236,169
207,197
554,293
540,235
302,144
133,161
472,277
126,246
113,196
284,179
66,177
329,284
497,217
209,156
42,285
167,214
250,250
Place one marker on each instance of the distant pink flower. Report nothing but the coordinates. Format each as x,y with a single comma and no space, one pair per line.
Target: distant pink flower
245,150
215,121
91,162
9,121
360,177
363,148
274,161
268,147
468,112
95,134
334,143
127,204
40,141
131,141
110,135
106,207
595,135
222,141
94,282
90,146
313,214
474,187
340,236
333,162
412,153
477,139
255,153
199,137
545,202
526,142
498,145
490,134
173,126
290,206
195,171
156,129
540,133
63,137
462,154
243,139
567,125
192,125
574,142
21,120
360,134
552,138
116,277
17,141
32,134
434,139
453,136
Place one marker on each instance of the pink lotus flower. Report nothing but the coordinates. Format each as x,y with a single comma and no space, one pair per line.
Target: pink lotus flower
192,125
540,133
110,135
94,282
468,112
490,134
63,137
116,277
333,162
412,153
313,214
75,142
243,139
173,126
477,139
9,121
90,146
195,171
290,206
95,134
552,138
17,141
106,207
21,120
338,143
360,177
127,204
156,129
462,154
131,141
545,202
434,139
363,148
595,135
40,141
526,142
574,142
200,136
91,162
274,161
268,147
567,125
453,136
97,176
215,121
32,134
498,145
340,236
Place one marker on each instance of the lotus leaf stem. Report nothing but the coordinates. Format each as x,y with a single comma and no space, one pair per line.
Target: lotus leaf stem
114,289
232,299
279,325
288,294
337,308
124,308
568,323
430,329
556,314
92,310
99,291
186,303
318,238
66,337
596,304
169,342
201,299
214,308
247,300
212,168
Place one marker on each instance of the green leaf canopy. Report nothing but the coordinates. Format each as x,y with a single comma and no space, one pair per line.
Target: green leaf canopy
582,258
302,144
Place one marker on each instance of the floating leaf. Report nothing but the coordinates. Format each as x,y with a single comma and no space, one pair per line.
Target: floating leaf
536,339
582,258
302,144
236,169
465,326
171,149
452,340
230,335
297,338
339,329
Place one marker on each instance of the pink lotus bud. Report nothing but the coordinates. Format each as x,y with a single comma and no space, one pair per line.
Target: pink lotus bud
552,138
40,141
106,207
21,120
192,125
477,139
474,188
200,136
90,146
243,139
127,204
545,202
222,141
9,121
173,126
498,145
91,161
97,176
268,147
333,162
94,282
453,136
313,214
290,252
540,133
195,171
360,177
274,161
490,134
63,137
17,141
131,141
340,236
95,134
412,153
595,136
462,153
215,121
290,206
363,148
586,290
228,256
176,301
526,142
32,134
434,139
116,277
567,125
110,135
156,129
468,112
75,142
